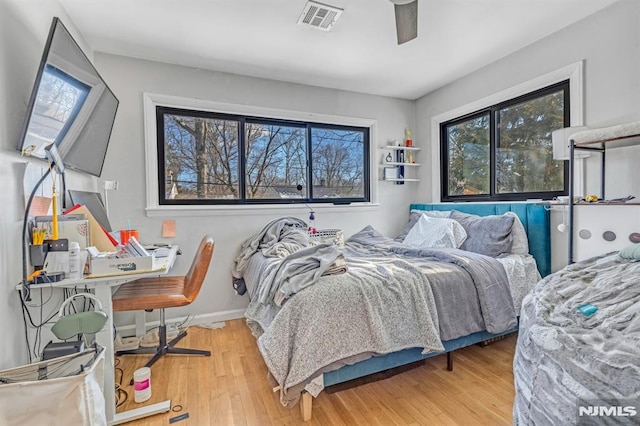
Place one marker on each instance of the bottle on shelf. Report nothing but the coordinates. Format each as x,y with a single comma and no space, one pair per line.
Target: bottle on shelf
409,143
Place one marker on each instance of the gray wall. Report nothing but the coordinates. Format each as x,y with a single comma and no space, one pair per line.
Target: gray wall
608,42
129,78
24,26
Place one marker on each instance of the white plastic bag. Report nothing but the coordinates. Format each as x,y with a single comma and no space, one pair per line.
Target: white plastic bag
60,391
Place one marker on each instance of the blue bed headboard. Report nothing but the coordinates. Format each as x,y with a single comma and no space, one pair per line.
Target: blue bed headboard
534,218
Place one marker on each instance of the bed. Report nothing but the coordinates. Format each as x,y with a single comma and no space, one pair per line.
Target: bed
350,325
575,364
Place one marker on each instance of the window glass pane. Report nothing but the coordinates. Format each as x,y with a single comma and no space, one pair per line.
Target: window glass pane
201,158
468,149
338,157
276,161
524,152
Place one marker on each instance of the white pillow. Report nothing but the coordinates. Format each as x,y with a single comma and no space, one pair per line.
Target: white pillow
432,232
434,213
413,219
519,235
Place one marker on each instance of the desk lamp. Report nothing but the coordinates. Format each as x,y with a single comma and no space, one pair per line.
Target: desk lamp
55,163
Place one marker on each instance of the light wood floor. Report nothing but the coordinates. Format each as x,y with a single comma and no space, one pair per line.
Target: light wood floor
231,388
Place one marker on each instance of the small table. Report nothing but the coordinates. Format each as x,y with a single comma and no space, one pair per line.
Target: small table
103,286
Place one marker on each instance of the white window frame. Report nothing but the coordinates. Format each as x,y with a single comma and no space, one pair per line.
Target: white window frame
574,73
155,209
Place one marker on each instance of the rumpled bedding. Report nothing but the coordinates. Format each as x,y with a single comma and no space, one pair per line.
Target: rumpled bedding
387,300
299,263
564,358
278,238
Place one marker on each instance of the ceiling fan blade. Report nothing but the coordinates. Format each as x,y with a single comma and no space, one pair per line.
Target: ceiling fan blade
406,21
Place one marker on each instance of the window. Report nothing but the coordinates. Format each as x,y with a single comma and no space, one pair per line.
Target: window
214,158
504,152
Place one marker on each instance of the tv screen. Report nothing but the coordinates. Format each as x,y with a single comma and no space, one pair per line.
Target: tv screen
70,106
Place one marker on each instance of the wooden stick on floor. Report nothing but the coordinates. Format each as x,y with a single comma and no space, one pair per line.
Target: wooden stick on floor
306,403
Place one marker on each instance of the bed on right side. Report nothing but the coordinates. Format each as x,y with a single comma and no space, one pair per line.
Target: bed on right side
577,359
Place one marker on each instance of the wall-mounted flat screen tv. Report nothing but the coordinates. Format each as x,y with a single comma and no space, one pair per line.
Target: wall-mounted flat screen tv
70,106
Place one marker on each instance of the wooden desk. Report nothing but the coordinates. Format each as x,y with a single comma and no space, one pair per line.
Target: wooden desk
103,287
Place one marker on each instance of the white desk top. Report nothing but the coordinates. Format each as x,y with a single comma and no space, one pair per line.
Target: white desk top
161,267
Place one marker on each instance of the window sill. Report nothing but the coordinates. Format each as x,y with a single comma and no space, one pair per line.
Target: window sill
234,210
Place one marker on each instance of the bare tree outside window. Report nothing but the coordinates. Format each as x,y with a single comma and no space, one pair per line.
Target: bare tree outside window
276,161
201,155
212,158
338,163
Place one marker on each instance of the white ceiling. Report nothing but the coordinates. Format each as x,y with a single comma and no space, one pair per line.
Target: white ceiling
261,38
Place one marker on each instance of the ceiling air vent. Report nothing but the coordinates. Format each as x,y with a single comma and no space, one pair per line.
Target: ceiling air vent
320,16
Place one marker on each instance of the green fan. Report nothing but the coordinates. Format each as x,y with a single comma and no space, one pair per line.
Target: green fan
88,322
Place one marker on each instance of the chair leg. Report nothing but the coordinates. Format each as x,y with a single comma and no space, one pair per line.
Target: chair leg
141,351
164,347
177,338
155,357
185,351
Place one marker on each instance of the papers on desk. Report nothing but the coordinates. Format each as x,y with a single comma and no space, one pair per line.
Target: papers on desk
161,252
108,264
131,258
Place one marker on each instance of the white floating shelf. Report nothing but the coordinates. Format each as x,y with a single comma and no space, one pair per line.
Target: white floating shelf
404,148
392,163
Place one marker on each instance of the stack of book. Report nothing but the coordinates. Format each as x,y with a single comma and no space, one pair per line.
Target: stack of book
133,248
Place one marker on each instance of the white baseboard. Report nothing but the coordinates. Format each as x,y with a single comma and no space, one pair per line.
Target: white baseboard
212,320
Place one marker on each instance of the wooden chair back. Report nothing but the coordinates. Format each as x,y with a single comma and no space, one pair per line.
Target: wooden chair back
198,271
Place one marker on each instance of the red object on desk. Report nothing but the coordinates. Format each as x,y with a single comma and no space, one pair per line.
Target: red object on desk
125,234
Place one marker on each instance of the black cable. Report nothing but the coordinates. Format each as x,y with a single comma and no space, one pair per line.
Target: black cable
119,391
64,192
26,332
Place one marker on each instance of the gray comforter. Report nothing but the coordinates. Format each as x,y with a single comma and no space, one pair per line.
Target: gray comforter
565,359
385,302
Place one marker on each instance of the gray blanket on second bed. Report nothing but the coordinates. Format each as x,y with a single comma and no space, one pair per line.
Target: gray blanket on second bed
565,358
384,303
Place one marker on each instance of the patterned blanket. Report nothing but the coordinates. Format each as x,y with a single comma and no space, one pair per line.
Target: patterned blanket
566,359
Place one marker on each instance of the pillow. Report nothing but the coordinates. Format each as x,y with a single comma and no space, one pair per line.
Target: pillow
415,215
520,240
488,235
433,232
631,252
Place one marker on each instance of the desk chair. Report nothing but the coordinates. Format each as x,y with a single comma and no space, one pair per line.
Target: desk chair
166,292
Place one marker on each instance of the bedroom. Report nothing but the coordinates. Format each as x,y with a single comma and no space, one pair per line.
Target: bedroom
606,41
